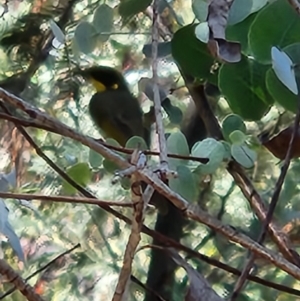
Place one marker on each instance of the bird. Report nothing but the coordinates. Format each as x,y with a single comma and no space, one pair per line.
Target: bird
113,108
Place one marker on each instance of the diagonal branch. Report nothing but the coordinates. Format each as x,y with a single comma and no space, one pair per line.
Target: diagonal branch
13,277
152,179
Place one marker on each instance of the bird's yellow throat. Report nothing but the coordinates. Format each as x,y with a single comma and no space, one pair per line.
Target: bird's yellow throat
100,87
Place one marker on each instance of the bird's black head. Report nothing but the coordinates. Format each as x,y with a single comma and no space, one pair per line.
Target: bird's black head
105,78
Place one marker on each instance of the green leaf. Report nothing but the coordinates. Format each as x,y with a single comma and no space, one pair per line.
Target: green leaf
177,145
59,35
200,9
80,173
136,142
211,149
280,92
126,183
227,152
184,184
129,8
163,49
277,89
202,32
95,159
103,21
237,137
239,32
85,37
8,231
174,113
232,123
243,85
243,155
278,25
284,69
109,166
190,53
241,9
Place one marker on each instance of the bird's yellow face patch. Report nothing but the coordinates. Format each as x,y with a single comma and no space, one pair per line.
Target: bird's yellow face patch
100,87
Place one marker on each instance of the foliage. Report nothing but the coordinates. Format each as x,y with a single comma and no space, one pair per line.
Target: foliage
41,48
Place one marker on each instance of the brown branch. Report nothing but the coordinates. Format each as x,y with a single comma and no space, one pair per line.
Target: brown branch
25,289
121,291
35,124
62,199
296,5
49,264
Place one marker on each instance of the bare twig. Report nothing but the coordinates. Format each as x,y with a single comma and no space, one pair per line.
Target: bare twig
242,279
61,199
25,289
296,5
147,288
157,102
121,292
36,124
42,269
163,30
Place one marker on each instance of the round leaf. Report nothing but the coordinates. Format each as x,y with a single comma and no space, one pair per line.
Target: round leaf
237,137
212,149
177,144
243,155
227,152
239,11
284,70
200,9
163,49
108,165
184,184
80,173
57,32
239,32
95,159
190,53
85,36
243,85
277,24
126,183
280,92
136,142
202,32
231,123
129,8
103,21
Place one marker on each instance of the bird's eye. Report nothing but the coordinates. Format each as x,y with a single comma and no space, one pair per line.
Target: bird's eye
115,86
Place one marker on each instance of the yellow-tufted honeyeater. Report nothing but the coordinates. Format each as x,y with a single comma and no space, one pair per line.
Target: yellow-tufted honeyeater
118,113
113,108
